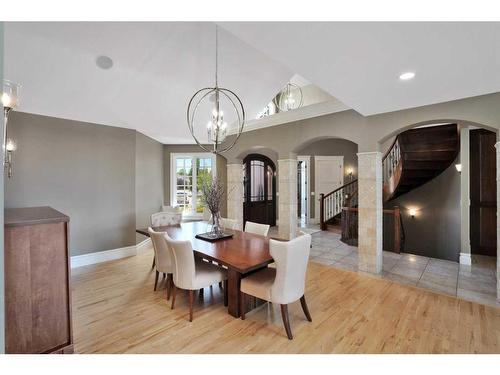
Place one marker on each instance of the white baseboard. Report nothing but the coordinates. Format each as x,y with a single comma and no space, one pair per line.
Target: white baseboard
466,259
103,256
143,245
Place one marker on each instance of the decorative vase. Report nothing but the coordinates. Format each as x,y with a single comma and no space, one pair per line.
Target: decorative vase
216,229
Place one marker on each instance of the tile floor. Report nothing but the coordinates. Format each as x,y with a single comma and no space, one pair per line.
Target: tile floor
475,283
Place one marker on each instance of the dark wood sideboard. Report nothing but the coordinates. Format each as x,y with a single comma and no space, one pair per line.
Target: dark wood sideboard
37,281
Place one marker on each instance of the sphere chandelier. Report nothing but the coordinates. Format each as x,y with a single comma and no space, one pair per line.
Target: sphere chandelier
289,98
212,101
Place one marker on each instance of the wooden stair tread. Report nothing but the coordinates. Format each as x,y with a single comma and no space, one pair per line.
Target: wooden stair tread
425,153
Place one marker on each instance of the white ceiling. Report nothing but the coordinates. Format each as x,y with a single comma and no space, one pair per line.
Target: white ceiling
158,66
359,63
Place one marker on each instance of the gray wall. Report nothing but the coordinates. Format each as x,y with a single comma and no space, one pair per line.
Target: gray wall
330,147
435,229
148,180
86,171
221,166
2,290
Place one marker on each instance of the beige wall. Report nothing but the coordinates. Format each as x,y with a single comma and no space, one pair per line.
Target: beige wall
435,229
148,180
86,171
367,132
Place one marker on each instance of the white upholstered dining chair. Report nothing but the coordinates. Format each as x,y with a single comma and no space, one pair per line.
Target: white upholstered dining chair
257,228
164,258
285,283
193,275
165,218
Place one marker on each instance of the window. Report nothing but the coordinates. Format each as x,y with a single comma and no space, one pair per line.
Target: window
188,171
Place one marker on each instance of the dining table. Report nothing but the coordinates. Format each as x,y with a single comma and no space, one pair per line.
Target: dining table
242,254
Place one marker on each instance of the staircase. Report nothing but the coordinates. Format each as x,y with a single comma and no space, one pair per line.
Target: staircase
331,204
415,157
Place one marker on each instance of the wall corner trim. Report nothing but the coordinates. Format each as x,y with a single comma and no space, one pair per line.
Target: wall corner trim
465,258
103,256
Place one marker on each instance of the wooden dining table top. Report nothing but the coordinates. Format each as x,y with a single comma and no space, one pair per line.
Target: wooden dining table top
244,252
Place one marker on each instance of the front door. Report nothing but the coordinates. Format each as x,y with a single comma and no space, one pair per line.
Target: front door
260,190
329,175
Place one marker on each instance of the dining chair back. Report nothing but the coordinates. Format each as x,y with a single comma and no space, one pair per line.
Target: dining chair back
291,260
164,218
257,228
185,269
164,261
171,209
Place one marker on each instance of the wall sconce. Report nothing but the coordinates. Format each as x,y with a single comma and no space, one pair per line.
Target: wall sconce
10,100
10,148
412,212
458,167
350,172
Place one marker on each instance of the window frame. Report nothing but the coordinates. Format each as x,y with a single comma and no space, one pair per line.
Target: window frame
173,178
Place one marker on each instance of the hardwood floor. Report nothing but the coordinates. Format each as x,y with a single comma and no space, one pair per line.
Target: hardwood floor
115,310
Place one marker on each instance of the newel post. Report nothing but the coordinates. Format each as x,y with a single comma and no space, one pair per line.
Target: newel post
322,211
397,229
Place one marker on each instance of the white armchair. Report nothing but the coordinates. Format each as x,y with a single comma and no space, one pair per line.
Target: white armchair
285,283
164,218
193,275
164,258
257,228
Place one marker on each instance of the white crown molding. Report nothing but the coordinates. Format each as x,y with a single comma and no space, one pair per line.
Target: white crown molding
310,111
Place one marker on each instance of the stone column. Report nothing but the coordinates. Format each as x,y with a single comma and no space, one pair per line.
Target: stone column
370,208
465,257
287,188
235,193
497,146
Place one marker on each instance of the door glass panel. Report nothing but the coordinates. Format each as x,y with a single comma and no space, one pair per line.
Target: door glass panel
203,174
269,183
257,180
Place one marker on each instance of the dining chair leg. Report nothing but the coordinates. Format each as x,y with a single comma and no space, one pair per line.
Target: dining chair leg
156,279
154,262
169,285
174,290
286,322
242,305
191,297
305,309
226,295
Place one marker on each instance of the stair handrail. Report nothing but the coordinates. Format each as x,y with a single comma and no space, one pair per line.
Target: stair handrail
340,188
335,205
392,159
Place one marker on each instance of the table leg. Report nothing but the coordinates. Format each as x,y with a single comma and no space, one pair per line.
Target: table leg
233,290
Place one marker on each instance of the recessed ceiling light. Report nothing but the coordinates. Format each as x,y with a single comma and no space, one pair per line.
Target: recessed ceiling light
406,76
104,62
